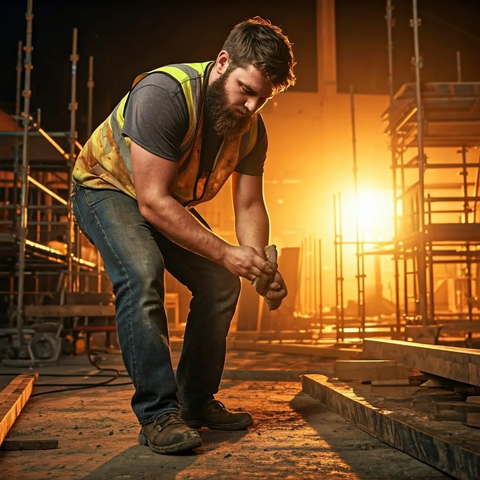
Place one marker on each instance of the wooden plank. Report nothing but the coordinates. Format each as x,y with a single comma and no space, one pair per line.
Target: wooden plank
28,444
459,364
297,349
57,311
399,382
368,370
457,455
461,326
12,402
422,334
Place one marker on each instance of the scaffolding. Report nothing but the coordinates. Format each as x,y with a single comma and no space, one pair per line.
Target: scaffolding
434,129
40,245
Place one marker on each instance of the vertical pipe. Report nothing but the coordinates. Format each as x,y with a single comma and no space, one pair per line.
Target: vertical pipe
18,92
431,277
340,231
422,280
307,275
90,85
464,174
11,301
315,277
337,289
38,216
18,96
22,230
71,160
304,275
358,253
320,285
459,67
393,153
298,297
466,210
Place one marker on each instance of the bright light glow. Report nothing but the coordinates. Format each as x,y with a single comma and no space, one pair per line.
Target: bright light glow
372,209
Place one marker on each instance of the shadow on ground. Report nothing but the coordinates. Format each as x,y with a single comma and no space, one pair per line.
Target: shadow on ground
367,457
140,462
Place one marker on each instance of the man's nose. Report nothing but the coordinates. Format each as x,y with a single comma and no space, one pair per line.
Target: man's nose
253,104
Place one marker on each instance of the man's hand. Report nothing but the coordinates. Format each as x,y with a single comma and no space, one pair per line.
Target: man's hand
245,261
277,291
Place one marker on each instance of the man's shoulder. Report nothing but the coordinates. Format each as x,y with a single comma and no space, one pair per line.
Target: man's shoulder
158,80
171,77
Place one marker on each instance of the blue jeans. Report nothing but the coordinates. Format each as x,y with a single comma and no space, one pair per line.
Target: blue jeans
136,256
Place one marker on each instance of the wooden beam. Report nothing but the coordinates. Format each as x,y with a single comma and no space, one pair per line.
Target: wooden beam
12,445
459,364
58,311
12,399
368,370
457,455
320,351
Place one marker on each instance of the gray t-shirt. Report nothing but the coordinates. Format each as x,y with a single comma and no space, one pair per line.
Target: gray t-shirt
156,118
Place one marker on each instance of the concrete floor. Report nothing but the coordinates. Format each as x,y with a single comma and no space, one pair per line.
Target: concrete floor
293,436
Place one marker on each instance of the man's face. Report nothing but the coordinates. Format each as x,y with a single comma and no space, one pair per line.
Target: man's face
233,99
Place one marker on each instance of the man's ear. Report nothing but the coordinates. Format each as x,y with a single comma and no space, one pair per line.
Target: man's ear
222,62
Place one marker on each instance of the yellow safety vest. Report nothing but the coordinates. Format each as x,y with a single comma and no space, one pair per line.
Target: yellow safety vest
105,160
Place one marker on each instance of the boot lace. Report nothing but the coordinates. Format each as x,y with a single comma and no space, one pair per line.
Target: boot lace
167,420
216,405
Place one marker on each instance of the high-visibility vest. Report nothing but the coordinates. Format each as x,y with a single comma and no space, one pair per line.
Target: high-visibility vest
105,160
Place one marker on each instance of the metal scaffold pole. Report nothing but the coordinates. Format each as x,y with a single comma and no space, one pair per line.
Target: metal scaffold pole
339,308
358,235
22,207
421,251
393,151
73,137
459,67
90,85
18,106
320,286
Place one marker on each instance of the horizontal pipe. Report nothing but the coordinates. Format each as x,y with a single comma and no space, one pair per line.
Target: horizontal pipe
47,190
33,134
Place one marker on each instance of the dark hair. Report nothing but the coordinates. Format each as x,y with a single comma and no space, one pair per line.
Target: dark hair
259,43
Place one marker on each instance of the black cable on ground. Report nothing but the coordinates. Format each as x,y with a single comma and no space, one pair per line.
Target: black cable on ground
82,386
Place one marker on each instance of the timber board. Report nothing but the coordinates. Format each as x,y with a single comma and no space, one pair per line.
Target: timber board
452,448
12,400
454,363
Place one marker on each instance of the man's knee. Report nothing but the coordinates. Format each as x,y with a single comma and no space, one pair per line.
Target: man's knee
227,285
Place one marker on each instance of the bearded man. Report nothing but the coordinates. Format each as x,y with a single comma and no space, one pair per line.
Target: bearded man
170,144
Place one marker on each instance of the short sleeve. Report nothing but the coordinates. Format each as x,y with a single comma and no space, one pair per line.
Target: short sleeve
253,163
156,116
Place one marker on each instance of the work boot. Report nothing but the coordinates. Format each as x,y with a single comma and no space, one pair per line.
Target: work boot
214,415
169,434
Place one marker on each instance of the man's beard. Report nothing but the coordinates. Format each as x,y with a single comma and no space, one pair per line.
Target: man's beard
228,121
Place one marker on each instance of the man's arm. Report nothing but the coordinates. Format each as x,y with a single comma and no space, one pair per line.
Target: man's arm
252,224
153,177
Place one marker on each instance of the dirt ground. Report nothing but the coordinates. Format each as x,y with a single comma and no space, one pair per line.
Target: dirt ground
293,436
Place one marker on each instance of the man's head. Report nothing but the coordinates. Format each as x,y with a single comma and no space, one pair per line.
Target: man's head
256,62
259,43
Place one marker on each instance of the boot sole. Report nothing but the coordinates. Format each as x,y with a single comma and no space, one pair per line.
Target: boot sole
188,444
219,426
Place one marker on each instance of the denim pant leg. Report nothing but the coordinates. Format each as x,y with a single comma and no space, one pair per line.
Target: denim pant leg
215,295
112,221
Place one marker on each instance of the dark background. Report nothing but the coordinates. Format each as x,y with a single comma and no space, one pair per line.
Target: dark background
128,37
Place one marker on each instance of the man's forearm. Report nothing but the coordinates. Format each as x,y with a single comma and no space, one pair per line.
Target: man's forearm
252,227
177,224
